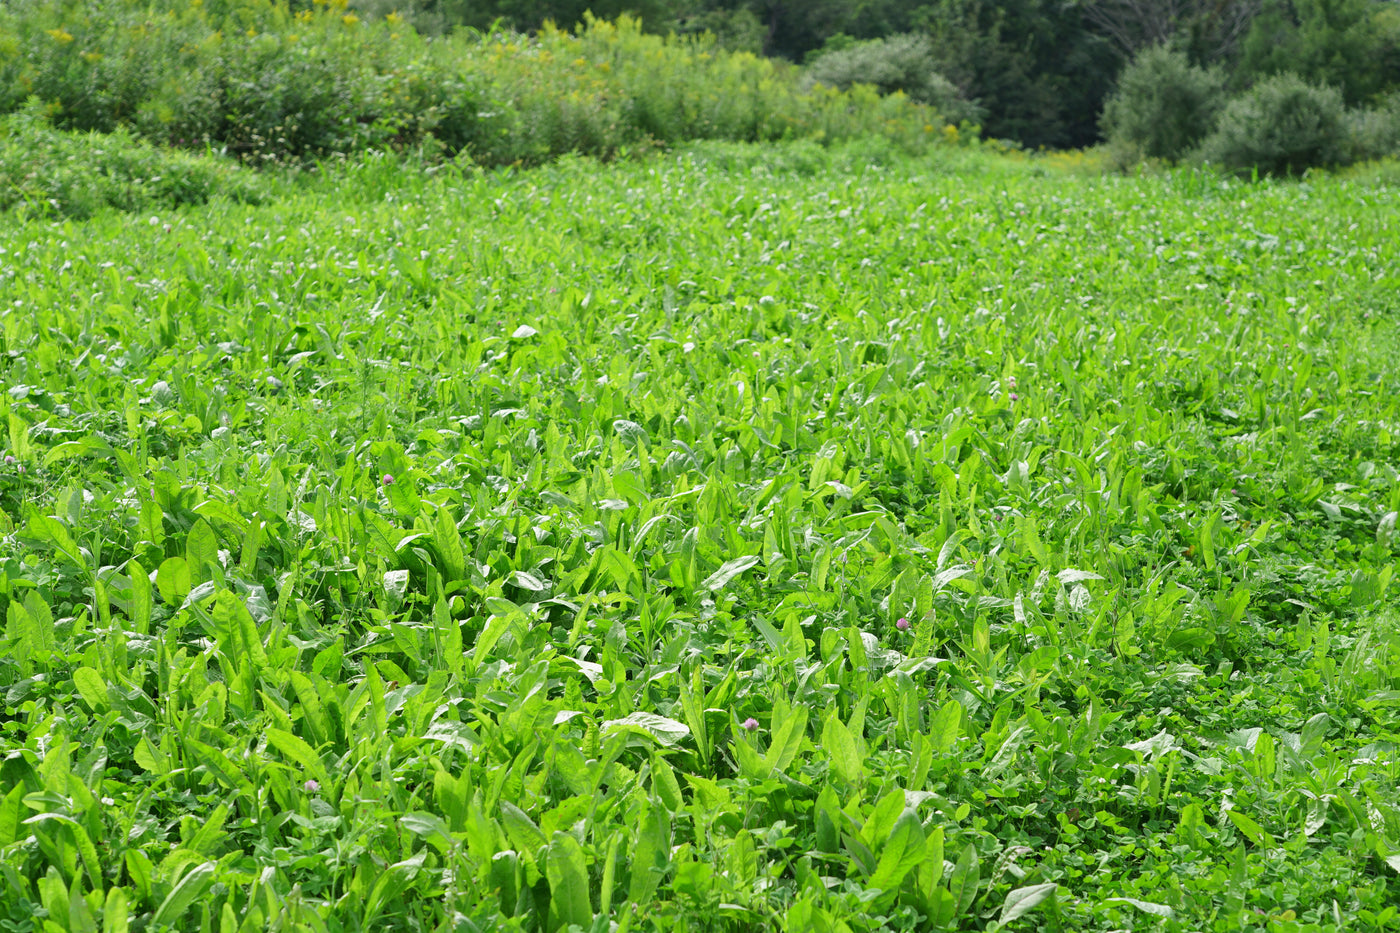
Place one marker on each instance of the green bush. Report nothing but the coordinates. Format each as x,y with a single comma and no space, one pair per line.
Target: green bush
1163,105
54,172
269,84
1375,131
1281,126
899,63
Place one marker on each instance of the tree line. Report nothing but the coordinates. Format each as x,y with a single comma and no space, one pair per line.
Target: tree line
1035,71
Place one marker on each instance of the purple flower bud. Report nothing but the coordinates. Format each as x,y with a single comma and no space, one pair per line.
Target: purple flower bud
388,479
750,724
9,459
1013,396
902,624
311,787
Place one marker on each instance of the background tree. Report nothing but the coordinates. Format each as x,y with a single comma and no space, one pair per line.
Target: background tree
1352,45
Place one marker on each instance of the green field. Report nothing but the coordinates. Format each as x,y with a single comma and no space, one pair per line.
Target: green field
742,538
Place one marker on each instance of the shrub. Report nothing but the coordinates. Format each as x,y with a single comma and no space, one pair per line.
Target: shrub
1375,131
900,63
1281,126
1163,106
49,171
270,84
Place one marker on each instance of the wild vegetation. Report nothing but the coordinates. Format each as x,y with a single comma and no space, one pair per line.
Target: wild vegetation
547,480
751,537
271,86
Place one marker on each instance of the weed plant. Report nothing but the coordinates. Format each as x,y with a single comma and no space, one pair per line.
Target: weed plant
738,539
51,173
270,84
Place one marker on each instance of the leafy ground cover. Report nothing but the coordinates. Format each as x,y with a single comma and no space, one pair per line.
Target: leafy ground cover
745,538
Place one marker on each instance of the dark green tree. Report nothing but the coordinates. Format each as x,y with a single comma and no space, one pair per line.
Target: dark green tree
1352,45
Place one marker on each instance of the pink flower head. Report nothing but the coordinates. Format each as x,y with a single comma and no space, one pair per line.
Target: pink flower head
388,479
311,787
902,624
750,724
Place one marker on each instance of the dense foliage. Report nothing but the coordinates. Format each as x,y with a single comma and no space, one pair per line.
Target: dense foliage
1039,68
749,538
47,172
1164,106
265,82
511,81
1281,126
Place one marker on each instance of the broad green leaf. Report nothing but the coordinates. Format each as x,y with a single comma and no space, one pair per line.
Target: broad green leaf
189,889
946,726
901,852
662,729
201,552
173,580
1022,901
567,871
787,739
142,597
840,746
429,828
12,814
92,688
728,571
78,448
404,499
524,834
296,749
50,530
1252,830
650,856
528,581
496,626
1147,907
114,915
964,881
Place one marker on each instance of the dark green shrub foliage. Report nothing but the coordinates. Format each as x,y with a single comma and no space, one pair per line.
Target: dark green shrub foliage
1164,106
900,63
1281,126
1375,131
